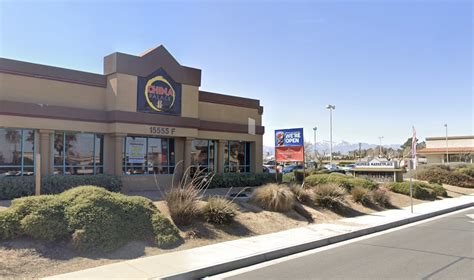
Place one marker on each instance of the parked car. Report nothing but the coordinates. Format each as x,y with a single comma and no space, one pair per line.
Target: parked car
348,167
291,168
269,169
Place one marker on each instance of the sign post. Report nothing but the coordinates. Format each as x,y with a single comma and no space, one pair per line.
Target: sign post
289,146
38,174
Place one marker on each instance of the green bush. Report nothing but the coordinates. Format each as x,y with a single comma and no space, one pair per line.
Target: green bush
91,217
274,197
420,190
9,225
347,182
46,222
330,196
361,195
444,175
438,189
238,180
289,178
219,210
466,170
14,187
164,231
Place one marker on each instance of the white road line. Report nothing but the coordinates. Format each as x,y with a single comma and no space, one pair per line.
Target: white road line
329,247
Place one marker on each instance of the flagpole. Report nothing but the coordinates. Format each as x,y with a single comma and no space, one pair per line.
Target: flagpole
411,186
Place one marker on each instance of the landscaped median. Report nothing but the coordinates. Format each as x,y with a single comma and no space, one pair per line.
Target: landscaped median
93,226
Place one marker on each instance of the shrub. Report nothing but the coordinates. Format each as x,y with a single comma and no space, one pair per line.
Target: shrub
361,195
443,175
438,189
219,210
238,180
274,198
329,196
47,222
9,225
347,182
420,190
289,178
299,175
468,170
93,218
303,195
381,197
164,231
183,205
14,187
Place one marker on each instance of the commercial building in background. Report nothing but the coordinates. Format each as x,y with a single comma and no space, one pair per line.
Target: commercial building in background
458,148
378,169
141,117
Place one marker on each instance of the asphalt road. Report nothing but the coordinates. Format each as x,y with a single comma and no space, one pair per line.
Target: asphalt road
438,249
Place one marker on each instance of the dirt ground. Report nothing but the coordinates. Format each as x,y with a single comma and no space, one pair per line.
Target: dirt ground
27,259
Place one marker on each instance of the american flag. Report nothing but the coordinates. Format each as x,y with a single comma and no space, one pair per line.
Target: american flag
413,147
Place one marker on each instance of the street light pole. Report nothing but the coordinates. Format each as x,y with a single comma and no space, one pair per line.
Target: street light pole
380,146
314,147
447,151
330,108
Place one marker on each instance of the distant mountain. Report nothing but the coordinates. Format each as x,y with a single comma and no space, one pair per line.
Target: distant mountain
342,147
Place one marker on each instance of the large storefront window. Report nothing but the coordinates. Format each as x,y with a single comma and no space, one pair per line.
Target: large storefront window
78,153
203,156
144,155
237,157
16,152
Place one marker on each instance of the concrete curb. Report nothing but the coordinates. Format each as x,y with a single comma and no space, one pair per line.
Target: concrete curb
283,252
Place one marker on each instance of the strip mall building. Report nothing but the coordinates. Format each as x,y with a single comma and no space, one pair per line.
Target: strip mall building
145,115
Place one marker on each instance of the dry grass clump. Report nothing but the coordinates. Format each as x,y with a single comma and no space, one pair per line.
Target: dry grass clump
274,197
362,196
219,210
329,196
303,195
183,199
381,198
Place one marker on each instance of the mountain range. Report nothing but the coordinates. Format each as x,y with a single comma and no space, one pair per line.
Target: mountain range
342,147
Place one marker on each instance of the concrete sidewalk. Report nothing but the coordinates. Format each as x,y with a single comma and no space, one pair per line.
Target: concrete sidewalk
225,256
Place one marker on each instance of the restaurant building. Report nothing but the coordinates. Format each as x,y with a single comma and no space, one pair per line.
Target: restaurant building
458,149
144,116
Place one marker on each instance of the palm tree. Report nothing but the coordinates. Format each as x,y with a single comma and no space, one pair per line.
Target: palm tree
14,137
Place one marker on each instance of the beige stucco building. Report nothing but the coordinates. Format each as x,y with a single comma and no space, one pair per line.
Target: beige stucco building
145,116
457,148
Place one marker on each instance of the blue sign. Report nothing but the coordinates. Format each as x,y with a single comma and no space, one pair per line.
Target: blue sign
289,137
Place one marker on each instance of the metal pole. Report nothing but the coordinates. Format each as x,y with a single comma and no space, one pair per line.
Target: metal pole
411,185
447,151
380,146
330,136
360,147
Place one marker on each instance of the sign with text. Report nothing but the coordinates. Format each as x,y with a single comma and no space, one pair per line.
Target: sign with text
136,150
289,145
158,93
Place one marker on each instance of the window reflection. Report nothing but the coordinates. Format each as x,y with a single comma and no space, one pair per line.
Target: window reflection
203,155
16,152
237,157
148,155
78,153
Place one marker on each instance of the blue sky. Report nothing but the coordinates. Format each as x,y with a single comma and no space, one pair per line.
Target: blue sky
386,65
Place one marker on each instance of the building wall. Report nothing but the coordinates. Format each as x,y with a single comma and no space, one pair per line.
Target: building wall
51,99
452,143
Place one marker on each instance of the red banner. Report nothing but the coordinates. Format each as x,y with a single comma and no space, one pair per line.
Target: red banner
283,154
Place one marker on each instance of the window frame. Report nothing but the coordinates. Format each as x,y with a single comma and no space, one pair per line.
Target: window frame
22,153
169,167
214,154
246,167
63,167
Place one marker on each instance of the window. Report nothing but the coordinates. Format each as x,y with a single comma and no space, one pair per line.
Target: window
237,157
16,152
78,153
146,155
203,154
